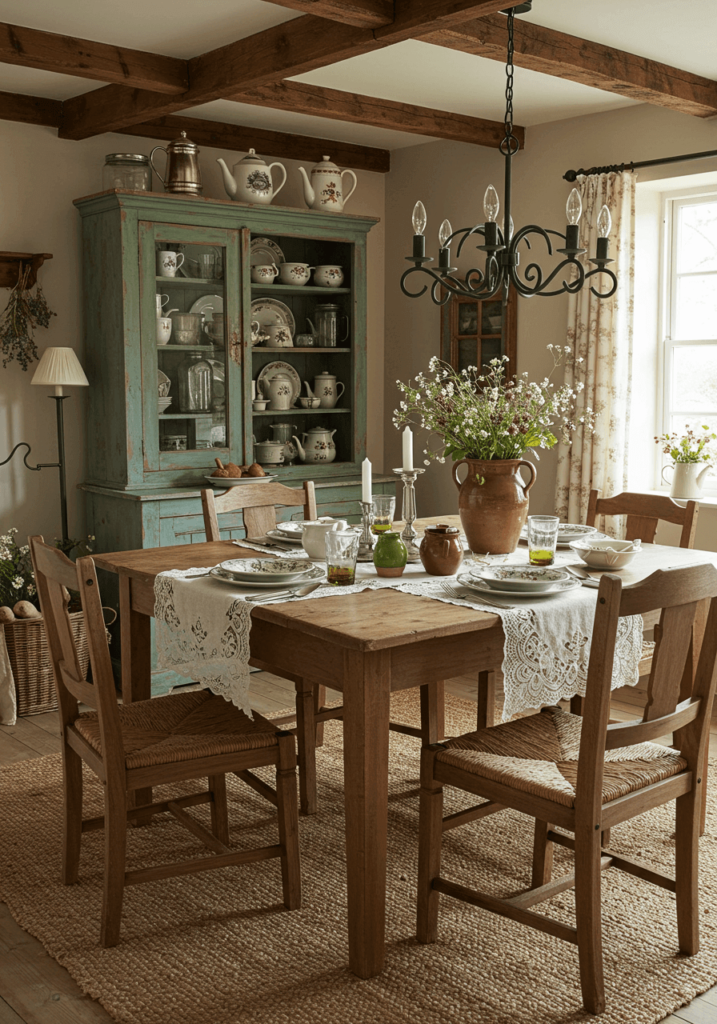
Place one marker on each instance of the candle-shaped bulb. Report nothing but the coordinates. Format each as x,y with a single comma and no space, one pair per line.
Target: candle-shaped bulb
444,233
511,227
574,207
491,204
419,218
604,222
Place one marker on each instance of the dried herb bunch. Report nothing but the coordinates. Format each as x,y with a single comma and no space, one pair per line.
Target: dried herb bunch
23,313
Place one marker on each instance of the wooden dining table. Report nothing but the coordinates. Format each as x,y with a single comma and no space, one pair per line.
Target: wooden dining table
367,645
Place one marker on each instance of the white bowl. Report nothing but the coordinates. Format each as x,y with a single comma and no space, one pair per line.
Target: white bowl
606,554
521,579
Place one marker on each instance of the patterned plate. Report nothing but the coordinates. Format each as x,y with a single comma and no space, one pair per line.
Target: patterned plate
568,532
264,252
280,367
520,579
285,538
265,568
208,304
292,529
473,583
271,311
314,573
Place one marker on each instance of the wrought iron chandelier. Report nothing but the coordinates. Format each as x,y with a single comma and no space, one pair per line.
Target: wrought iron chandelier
501,247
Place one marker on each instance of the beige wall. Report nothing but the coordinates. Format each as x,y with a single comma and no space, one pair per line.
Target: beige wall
40,175
450,179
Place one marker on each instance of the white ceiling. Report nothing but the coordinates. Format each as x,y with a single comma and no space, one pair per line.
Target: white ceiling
681,33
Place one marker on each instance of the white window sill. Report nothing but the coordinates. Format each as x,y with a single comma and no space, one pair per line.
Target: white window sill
705,501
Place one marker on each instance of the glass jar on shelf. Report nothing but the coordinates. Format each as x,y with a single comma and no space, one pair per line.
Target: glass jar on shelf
194,384
127,170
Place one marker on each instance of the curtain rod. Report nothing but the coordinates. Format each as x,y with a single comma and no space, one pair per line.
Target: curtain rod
614,168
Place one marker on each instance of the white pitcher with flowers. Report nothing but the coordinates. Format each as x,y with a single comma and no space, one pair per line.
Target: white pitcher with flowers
693,457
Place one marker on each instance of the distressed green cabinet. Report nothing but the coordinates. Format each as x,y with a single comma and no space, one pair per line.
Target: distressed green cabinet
146,459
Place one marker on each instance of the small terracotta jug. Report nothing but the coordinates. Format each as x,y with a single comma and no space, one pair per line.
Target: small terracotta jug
440,551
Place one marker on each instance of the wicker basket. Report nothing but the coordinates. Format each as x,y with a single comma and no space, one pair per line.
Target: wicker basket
30,661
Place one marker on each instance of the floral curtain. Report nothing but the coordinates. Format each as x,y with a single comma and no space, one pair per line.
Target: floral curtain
600,341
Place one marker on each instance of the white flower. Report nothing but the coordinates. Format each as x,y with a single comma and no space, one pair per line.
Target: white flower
426,462
17,583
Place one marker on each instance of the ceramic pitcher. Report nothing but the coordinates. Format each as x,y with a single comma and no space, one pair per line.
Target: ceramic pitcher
493,503
325,191
279,391
251,181
687,478
326,388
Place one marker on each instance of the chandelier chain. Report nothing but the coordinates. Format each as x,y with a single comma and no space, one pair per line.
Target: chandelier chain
509,144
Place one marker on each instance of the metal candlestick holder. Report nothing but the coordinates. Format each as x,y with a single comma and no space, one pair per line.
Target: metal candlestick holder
409,535
367,541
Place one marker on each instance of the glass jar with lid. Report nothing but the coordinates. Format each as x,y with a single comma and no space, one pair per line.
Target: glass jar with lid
127,170
194,381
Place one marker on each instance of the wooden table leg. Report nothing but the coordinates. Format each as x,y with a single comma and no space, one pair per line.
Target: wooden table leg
306,737
486,699
136,651
367,681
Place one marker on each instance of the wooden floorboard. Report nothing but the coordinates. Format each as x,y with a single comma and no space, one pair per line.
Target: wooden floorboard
34,989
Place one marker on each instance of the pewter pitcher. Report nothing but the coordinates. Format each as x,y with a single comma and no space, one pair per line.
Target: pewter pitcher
182,174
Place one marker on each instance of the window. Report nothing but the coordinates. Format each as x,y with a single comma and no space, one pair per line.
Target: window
689,314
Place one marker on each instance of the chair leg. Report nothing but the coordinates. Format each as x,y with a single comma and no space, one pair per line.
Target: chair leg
288,822
430,834
433,726
542,855
220,815
486,700
688,815
115,854
319,702
589,921
72,824
576,705
306,735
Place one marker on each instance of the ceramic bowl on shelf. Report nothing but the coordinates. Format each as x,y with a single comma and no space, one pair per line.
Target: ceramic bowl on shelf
294,273
329,276
606,554
309,403
163,404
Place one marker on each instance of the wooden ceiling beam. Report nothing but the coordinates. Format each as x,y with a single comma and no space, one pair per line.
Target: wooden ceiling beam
580,60
30,109
415,18
402,117
361,13
219,135
84,58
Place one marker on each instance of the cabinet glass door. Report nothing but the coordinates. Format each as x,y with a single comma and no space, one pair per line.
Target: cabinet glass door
192,306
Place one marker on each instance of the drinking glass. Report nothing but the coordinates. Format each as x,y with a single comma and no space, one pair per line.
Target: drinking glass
383,511
341,551
209,266
542,539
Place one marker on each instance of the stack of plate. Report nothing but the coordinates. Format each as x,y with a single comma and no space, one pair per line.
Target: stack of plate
519,581
267,572
568,532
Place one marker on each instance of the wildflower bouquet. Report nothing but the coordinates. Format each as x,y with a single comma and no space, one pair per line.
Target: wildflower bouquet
487,416
690,447
17,576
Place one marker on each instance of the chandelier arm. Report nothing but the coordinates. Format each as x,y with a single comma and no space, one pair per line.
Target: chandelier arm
467,232
405,275
436,295
610,274
533,270
534,229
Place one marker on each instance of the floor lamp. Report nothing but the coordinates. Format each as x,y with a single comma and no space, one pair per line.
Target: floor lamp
58,368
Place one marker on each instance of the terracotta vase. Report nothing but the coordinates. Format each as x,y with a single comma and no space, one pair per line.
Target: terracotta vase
493,503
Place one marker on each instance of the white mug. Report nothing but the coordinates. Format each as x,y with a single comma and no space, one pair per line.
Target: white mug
164,329
161,300
168,263
278,336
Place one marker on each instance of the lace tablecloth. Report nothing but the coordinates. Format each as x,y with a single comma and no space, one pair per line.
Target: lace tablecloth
203,631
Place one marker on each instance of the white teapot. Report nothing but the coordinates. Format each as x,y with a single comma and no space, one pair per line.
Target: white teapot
313,536
318,445
326,388
326,189
251,181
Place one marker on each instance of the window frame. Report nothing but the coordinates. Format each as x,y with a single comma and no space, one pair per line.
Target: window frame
672,203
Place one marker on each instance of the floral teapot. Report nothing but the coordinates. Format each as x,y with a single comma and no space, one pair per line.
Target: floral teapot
251,181
318,445
325,191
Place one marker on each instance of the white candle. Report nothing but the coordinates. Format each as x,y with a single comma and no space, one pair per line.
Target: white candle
407,448
366,480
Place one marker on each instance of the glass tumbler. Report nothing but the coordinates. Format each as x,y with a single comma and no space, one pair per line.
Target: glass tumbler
341,551
542,539
383,509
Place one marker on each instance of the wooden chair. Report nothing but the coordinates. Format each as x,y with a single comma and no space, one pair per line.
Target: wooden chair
258,504
643,513
151,743
587,784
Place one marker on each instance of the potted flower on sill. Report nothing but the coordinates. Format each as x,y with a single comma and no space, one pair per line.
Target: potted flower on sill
692,460
488,422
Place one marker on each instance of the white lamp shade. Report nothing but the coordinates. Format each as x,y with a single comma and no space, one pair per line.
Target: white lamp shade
60,367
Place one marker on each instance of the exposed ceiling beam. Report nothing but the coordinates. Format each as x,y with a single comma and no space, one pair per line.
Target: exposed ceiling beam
218,135
30,109
401,117
580,60
361,13
31,48
267,57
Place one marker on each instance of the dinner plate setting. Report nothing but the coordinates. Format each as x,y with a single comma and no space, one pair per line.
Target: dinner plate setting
521,579
311,574
568,532
483,588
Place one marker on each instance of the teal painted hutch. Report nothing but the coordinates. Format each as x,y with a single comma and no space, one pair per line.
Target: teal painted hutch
147,460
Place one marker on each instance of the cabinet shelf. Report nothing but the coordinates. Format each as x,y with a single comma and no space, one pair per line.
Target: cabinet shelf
190,282
185,415
302,412
295,289
189,348
295,348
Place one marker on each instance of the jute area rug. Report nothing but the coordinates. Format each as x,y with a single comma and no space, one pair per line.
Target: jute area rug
219,948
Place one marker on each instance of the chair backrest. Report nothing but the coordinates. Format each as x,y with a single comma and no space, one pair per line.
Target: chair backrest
643,513
55,575
258,505
676,702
